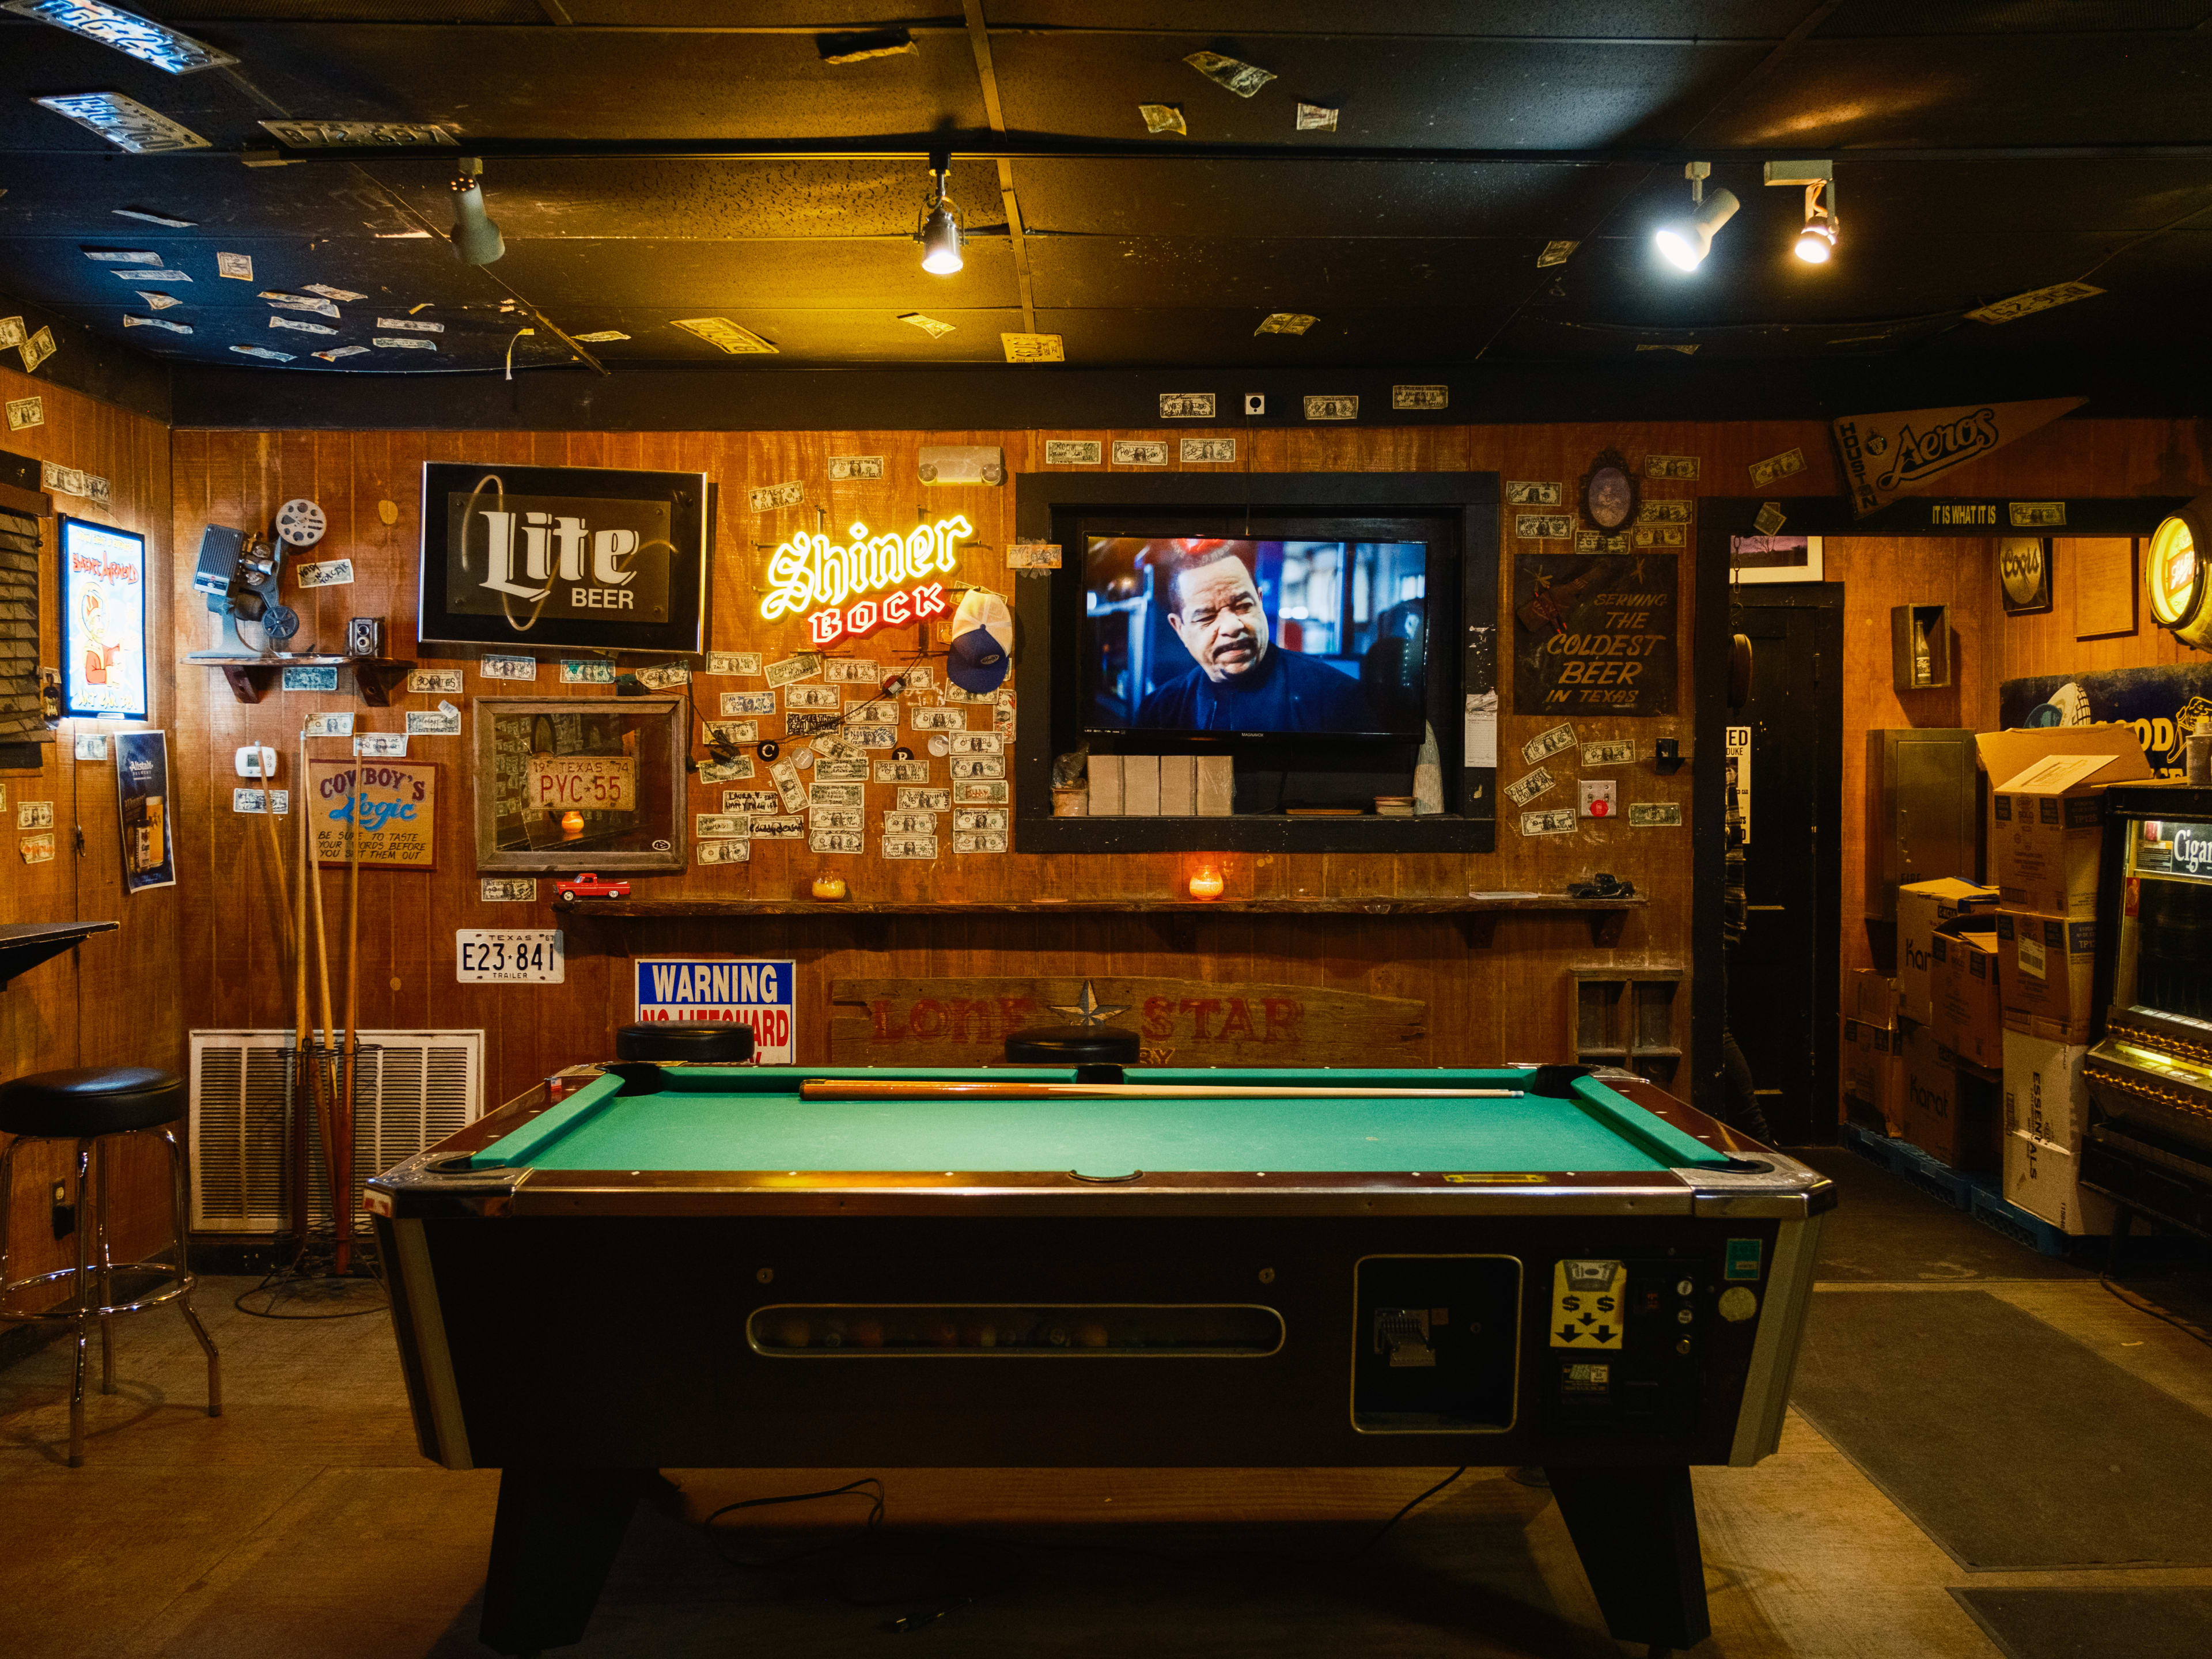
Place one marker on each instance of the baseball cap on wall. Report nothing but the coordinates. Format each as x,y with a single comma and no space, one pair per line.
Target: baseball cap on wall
983,643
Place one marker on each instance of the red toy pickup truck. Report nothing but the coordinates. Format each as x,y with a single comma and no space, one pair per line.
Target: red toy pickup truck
588,886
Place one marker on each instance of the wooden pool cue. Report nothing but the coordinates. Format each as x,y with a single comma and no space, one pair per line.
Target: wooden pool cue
324,1070
303,1087
893,1089
310,1098
352,1007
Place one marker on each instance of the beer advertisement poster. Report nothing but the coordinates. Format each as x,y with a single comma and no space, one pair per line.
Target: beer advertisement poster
103,621
1594,633
142,798
398,812
592,557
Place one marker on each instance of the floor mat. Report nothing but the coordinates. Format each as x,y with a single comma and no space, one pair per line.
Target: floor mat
2012,1446
1885,1232
2093,1623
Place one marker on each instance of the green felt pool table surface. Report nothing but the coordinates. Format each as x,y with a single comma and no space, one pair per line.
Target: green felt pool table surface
753,1118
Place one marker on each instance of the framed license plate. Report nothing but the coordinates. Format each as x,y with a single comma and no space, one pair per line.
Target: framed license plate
510,956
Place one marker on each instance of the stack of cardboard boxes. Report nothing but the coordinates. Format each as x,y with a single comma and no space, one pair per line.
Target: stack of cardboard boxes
1953,1038
2046,846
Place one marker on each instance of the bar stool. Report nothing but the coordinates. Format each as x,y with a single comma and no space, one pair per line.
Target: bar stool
96,1106
1098,1053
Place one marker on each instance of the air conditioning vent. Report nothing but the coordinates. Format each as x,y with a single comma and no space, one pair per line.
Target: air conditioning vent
412,1089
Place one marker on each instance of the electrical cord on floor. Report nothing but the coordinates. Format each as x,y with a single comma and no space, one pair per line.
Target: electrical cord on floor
310,1277
2142,1305
960,1557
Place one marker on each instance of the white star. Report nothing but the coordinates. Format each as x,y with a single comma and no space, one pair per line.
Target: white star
1087,1010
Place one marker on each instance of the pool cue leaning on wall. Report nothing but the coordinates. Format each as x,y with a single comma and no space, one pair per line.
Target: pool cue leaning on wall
345,1218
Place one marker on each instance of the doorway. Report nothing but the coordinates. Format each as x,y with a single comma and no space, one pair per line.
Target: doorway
1782,975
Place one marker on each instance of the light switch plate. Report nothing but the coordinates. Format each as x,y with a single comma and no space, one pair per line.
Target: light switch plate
1599,799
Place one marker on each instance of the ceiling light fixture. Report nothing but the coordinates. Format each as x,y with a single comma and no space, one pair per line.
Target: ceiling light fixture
1683,242
943,227
476,239
1816,242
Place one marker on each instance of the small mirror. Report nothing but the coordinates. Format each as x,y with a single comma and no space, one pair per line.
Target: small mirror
589,784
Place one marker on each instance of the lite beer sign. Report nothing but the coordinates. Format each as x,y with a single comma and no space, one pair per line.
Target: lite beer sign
561,557
811,575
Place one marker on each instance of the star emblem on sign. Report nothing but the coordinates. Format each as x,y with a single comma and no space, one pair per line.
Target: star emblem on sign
1087,1010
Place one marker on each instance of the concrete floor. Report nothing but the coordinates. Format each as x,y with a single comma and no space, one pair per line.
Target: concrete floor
303,1523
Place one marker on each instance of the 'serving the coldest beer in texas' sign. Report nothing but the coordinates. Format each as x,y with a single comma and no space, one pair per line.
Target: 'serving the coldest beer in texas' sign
722,990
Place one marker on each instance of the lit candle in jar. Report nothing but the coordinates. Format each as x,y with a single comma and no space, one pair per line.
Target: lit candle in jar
1207,882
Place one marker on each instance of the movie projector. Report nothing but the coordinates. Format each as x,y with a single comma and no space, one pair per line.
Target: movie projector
239,573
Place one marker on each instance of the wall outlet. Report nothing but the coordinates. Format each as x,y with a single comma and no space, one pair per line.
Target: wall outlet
1599,799
1255,402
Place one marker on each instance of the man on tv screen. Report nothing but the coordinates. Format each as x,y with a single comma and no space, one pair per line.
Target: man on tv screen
1243,682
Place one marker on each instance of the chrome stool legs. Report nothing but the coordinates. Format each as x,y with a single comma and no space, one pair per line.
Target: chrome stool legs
92,1284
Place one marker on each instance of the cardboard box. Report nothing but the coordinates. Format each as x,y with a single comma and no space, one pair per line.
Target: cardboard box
1873,1066
2045,965
2046,1091
2047,810
2045,1181
1178,786
1922,907
1965,984
1949,1114
1870,998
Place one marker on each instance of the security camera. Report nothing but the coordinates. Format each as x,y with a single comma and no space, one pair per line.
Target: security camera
1255,402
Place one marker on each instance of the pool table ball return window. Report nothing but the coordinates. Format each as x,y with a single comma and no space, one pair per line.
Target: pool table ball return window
698,1267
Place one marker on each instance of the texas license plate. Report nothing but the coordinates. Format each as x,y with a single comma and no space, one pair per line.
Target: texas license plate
510,956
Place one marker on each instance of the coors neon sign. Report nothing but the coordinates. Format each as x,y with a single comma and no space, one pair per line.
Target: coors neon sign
814,575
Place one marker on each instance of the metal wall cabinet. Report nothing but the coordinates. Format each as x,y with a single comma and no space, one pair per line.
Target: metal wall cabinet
1921,817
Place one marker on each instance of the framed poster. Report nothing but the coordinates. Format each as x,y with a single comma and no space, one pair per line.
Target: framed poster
398,812
1594,634
141,800
592,557
1775,558
103,620
583,784
2104,584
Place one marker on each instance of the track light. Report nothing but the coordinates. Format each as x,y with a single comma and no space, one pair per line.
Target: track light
476,239
943,227
1683,242
1816,242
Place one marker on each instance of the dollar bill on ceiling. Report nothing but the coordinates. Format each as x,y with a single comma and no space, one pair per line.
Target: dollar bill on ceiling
1241,78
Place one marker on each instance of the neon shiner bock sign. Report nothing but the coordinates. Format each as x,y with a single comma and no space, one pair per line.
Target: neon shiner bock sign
814,575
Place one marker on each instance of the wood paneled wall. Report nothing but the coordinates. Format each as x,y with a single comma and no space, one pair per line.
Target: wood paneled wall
1509,1002
2069,458
117,1000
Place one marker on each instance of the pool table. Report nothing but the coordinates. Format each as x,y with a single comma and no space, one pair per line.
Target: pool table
687,1266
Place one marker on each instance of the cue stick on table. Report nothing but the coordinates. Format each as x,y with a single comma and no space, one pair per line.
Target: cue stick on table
893,1089
344,1216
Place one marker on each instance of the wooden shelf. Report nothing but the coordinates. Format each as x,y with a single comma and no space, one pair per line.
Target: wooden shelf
1477,913
373,677
24,946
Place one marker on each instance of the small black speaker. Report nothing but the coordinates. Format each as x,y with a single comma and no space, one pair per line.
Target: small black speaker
364,636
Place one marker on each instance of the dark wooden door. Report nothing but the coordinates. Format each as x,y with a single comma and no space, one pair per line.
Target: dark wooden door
1783,976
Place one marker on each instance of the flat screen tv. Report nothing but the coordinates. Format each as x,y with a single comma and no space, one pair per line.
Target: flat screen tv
1312,636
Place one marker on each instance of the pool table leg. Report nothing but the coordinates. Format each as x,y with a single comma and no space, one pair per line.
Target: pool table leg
1635,1530
552,1542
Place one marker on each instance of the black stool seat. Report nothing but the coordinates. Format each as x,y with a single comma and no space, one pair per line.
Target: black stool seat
91,1100
1075,1045
701,1041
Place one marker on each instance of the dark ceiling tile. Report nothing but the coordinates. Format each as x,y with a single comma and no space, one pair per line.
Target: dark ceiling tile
1389,92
